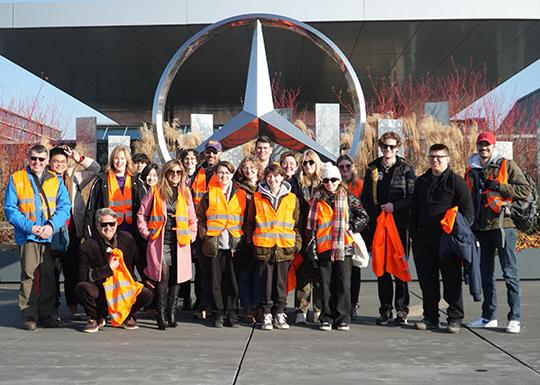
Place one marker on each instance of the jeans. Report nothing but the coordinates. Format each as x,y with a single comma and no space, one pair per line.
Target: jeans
490,241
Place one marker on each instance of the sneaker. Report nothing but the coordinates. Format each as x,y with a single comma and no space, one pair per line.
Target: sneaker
483,323
514,326
454,326
300,318
280,322
30,325
267,322
91,327
231,322
200,314
343,326
316,315
400,320
218,321
355,313
130,324
49,322
427,324
325,326
101,322
383,319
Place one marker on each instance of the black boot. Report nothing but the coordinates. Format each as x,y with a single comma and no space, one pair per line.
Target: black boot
161,305
171,306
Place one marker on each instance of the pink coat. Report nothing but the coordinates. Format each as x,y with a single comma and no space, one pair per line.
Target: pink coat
154,249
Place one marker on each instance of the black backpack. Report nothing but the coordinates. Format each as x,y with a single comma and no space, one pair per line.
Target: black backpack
524,212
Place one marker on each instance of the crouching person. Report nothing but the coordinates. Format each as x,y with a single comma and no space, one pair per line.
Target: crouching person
96,265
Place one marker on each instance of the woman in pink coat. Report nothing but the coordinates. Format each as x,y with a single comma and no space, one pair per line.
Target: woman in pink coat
167,220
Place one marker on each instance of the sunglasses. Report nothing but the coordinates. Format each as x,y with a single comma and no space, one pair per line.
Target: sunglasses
211,151
36,158
344,166
437,157
311,162
333,180
175,172
107,224
388,146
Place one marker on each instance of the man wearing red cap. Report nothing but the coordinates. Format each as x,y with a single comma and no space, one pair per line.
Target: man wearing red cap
494,181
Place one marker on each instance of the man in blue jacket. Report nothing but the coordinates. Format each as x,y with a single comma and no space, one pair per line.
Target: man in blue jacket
37,205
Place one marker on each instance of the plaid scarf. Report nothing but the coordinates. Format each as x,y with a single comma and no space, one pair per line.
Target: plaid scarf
339,225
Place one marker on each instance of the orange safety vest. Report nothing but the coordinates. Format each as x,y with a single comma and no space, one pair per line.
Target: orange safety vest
25,194
120,201
157,219
356,187
274,227
199,185
494,200
121,290
324,222
222,215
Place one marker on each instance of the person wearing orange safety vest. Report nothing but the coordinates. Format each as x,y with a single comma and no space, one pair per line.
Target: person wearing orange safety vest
388,186
166,219
333,216
435,191
220,222
272,230
493,182
37,205
97,263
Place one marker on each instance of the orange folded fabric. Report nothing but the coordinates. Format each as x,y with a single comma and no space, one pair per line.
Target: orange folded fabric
449,219
291,276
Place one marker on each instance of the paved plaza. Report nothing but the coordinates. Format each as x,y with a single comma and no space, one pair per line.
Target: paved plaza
196,353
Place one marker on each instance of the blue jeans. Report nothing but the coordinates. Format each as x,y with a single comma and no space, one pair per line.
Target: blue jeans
490,241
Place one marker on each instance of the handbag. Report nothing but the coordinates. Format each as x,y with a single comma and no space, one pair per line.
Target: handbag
360,257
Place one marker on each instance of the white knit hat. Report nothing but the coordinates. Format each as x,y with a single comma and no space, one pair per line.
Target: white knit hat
330,171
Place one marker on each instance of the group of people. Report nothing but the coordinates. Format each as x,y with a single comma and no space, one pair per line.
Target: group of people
256,232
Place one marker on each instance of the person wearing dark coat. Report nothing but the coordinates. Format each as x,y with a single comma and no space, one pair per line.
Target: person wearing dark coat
436,191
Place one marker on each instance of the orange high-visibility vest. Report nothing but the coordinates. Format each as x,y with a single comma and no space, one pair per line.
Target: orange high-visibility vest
356,187
274,227
157,219
200,185
25,194
120,202
121,291
324,222
494,199
223,215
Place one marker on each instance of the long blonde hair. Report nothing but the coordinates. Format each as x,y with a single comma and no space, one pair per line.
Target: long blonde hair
130,167
163,186
315,179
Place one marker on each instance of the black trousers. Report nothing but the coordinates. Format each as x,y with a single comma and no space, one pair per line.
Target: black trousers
68,263
92,296
335,289
386,289
224,284
428,264
356,279
273,279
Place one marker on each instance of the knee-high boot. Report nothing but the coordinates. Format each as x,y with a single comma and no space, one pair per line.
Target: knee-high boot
161,304
171,305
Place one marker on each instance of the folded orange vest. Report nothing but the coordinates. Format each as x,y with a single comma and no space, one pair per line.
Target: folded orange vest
449,219
387,251
121,291
291,276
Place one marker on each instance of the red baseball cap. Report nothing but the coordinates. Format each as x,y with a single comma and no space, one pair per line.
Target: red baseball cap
486,137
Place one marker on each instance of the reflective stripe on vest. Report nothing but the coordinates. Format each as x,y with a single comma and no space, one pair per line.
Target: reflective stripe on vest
25,194
274,227
223,215
494,199
156,220
324,220
199,186
120,202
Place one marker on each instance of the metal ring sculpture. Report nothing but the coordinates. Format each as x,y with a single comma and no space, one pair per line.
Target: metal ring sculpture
276,21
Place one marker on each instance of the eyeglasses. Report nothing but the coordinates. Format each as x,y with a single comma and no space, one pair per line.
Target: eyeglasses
107,224
345,166
36,158
437,157
333,180
388,146
175,172
211,151
311,162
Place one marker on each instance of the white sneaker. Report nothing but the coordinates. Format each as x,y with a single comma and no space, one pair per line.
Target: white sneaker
483,323
316,315
514,326
280,322
267,322
300,318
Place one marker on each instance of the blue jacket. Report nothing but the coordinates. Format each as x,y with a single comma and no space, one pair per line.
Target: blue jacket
22,225
461,243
